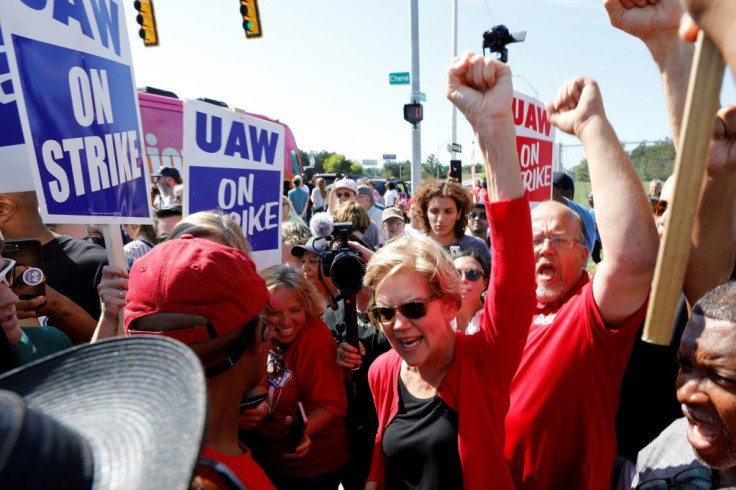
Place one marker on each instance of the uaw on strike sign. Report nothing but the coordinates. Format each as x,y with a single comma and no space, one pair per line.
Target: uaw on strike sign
72,82
235,163
535,138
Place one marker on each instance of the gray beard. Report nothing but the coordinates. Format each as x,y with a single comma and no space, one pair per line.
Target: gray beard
550,294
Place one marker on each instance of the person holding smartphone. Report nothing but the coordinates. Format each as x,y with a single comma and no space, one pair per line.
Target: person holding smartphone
301,369
21,345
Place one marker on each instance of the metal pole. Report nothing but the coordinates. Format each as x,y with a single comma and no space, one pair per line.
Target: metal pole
416,133
454,54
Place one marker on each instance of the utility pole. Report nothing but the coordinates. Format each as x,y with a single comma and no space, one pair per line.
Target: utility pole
454,54
416,132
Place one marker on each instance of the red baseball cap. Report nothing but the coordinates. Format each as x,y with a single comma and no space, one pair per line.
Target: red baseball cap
199,277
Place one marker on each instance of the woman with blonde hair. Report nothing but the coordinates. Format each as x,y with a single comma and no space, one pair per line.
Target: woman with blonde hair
215,225
442,396
302,369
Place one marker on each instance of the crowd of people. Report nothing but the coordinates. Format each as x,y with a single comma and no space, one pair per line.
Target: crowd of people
451,340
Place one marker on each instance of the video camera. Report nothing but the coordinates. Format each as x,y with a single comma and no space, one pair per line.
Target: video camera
341,263
498,37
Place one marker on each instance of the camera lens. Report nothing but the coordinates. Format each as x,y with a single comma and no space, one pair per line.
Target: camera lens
347,271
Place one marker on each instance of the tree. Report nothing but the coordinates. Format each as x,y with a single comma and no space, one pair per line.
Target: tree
397,170
337,163
582,174
654,160
431,168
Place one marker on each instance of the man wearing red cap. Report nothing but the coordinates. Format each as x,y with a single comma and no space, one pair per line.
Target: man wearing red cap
209,297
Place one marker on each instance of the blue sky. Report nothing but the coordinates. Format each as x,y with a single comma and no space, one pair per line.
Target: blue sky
322,66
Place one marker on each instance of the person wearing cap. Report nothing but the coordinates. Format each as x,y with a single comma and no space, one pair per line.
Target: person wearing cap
393,223
442,208
346,190
343,190
166,179
563,191
124,413
210,297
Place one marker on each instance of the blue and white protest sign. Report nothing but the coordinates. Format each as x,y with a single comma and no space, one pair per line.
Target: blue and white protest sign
70,65
14,167
235,163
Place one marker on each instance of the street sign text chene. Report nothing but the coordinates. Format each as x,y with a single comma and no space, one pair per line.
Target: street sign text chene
399,78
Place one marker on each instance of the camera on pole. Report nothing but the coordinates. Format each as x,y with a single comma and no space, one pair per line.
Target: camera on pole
498,38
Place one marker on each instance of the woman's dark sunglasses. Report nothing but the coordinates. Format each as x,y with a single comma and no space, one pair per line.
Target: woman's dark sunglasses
471,275
412,310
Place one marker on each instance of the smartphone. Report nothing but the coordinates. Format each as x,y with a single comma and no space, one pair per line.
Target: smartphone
456,171
27,251
253,401
298,426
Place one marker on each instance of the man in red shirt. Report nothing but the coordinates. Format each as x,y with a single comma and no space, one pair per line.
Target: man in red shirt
209,297
564,396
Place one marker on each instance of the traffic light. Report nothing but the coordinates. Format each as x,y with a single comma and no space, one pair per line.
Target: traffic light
147,20
413,113
251,18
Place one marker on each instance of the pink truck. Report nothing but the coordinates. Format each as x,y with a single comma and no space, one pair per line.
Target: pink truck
162,120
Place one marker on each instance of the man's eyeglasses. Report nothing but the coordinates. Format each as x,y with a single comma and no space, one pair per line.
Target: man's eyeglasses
557,241
7,274
473,215
698,477
659,207
412,310
471,275
393,222
340,195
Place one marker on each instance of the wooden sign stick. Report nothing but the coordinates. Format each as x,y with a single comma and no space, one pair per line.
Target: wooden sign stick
115,256
704,88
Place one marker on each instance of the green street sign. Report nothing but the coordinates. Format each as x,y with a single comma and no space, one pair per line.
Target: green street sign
398,78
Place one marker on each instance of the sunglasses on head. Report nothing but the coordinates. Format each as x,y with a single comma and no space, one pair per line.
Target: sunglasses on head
471,275
481,215
412,310
7,274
